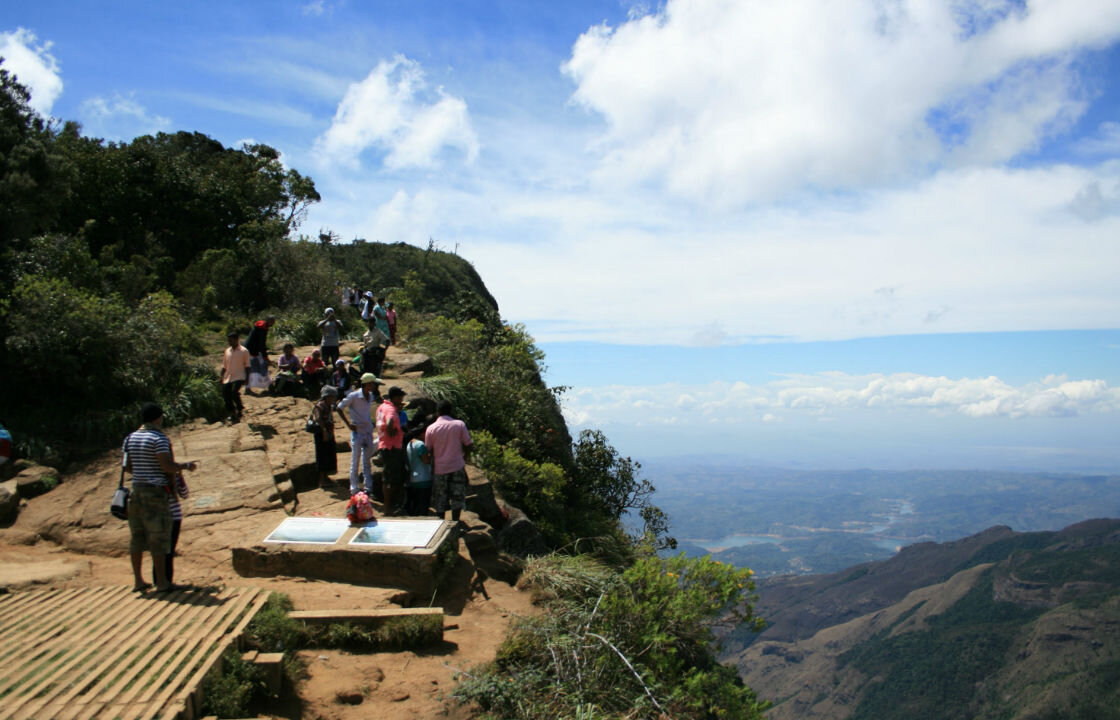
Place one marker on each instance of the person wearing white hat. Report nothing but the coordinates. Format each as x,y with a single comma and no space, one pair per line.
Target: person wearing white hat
361,402
368,304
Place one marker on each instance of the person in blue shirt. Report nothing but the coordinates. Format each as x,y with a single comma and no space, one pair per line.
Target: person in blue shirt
419,495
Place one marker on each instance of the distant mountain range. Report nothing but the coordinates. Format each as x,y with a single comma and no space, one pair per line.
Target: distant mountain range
779,521
999,625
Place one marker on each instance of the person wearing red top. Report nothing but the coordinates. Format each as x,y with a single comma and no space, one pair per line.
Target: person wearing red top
314,373
391,316
390,443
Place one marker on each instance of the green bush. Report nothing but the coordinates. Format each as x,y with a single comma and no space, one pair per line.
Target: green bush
230,693
100,359
610,644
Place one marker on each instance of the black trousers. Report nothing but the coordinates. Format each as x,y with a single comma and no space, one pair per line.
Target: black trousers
231,393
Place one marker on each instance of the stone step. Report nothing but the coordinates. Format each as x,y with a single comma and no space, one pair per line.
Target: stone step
371,618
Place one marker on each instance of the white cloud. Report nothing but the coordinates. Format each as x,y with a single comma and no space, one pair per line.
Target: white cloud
752,100
314,9
1093,202
268,112
119,118
1106,142
391,111
826,394
34,66
967,250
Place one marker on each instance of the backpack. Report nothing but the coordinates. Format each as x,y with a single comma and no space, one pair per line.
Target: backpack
359,510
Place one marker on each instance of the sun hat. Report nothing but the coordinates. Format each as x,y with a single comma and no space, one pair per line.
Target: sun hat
371,378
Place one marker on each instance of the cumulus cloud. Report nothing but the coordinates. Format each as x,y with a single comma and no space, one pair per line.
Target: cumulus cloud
967,250
119,118
1093,202
34,66
753,100
392,111
825,394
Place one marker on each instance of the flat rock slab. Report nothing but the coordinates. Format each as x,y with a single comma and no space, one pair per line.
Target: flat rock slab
15,575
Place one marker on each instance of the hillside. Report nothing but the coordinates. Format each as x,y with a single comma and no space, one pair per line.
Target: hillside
997,625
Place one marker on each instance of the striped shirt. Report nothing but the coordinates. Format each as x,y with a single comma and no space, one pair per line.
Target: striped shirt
141,447
181,491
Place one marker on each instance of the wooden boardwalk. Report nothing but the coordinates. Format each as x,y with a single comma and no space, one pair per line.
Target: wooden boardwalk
80,654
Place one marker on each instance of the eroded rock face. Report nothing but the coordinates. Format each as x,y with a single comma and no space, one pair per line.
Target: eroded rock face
520,536
9,502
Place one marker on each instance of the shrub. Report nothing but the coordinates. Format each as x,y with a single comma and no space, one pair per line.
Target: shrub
229,694
610,644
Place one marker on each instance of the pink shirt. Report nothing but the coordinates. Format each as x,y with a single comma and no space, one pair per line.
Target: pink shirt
445,439
235,364
388,415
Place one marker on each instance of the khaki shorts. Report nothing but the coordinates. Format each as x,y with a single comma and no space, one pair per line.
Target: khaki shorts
149,519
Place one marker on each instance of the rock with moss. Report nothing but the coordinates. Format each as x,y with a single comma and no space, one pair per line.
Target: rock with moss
36,480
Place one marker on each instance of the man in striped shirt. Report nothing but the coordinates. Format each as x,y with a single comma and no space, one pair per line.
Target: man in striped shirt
149,458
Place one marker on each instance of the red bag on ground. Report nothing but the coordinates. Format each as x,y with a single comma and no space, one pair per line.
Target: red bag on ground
359,510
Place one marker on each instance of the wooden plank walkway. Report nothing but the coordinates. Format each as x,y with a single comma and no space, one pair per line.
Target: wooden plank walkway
100,653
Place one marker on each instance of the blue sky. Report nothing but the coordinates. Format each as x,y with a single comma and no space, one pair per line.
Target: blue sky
809,233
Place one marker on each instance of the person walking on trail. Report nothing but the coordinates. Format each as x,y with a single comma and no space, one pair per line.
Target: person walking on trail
374,342
235,371
391,316
381,317
360,403
390,443
449,442
148,457
177,490
331,327
257,345
326,456
420,473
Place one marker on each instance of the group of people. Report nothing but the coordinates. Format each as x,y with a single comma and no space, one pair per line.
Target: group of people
248,364
423,461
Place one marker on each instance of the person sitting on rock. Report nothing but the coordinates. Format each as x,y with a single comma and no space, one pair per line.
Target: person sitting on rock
314,374
340,377
288,367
